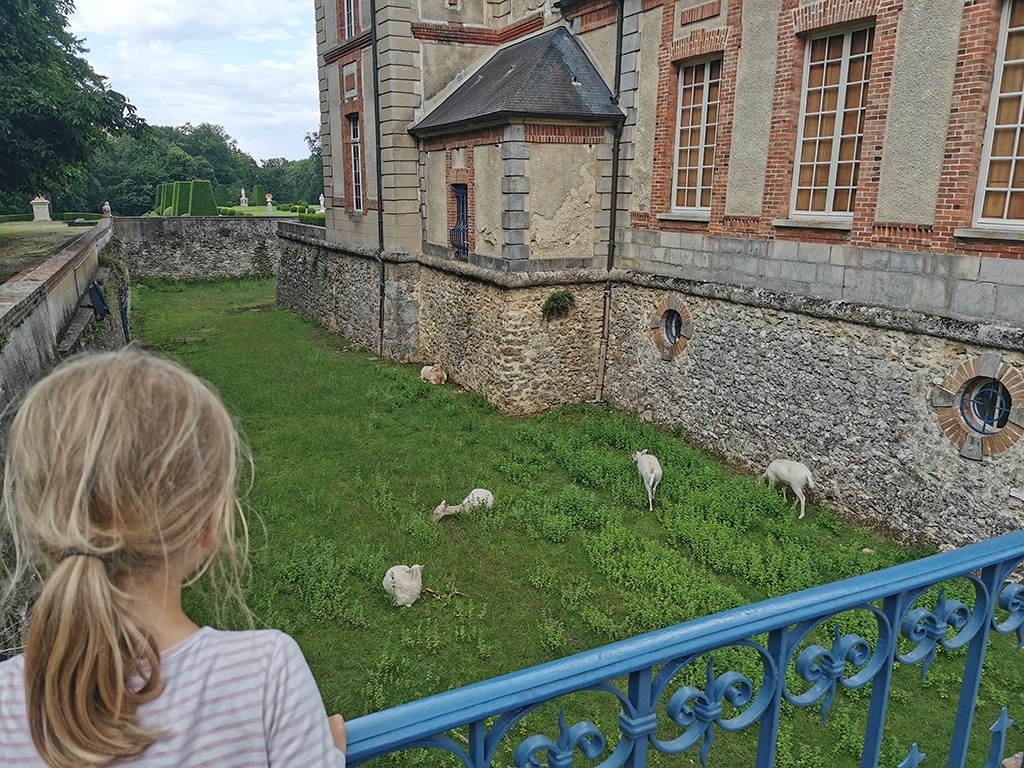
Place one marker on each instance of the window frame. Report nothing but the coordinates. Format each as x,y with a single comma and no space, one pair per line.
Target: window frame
674,187
350,18
829,215
460,193
356,155
979,220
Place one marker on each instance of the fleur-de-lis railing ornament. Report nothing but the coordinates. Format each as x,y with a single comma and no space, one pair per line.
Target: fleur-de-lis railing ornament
1012,599
998,746
825,669
928,629
585,735
698,711
914,758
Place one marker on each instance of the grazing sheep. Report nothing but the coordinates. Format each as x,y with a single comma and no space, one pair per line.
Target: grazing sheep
475,498
792,473
650,472
435,374
404,582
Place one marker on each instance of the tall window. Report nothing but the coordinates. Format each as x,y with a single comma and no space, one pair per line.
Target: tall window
357,162
459,234
697,130
832,123
350,18
1001,191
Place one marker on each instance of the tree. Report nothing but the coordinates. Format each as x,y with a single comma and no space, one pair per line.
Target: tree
57,113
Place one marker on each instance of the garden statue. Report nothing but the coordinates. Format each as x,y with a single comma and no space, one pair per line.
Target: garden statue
244,201
322,209
106,208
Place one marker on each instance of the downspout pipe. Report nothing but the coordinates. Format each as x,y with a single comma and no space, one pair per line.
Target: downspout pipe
606,310
379,253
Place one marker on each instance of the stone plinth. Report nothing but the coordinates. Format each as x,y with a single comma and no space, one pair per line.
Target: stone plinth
41,209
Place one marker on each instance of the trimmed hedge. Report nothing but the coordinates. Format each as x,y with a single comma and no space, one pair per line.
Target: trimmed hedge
72,215
16,217
315,219
201,200
258,196
222,192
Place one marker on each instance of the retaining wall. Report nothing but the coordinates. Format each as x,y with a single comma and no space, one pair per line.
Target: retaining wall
199,247
845,387
37,306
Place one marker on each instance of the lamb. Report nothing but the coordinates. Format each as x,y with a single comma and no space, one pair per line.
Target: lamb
650,472
475,498
404,582
792,473
435,374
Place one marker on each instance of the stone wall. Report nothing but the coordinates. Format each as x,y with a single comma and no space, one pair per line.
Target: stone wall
38,305
190,248
853,401
844,387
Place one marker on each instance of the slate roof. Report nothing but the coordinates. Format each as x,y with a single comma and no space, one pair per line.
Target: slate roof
548,75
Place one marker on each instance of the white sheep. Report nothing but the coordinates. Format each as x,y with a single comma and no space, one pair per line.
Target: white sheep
792,473
475,498
650,472
435,374
404,582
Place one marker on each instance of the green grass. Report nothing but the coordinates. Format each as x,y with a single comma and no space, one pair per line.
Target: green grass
25,244
260,210
352,453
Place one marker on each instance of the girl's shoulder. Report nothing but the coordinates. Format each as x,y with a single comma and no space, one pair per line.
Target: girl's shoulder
12,672
253,647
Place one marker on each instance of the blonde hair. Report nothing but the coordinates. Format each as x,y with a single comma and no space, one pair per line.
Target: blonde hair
127,458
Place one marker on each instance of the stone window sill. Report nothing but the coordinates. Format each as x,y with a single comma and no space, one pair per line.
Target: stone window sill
842,225
685,216
990,234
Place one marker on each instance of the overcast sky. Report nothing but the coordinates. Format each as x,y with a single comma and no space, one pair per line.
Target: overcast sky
248,65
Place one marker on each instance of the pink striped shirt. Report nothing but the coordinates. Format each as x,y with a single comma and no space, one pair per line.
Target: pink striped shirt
231,699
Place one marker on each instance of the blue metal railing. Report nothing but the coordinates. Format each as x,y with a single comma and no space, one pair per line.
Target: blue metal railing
892,598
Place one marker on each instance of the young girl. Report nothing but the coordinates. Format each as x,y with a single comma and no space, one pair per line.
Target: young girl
119,488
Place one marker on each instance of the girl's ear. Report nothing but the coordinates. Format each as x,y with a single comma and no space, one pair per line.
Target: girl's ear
206,535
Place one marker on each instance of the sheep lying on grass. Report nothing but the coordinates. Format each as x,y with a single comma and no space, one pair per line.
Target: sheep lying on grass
404,582
435,374
475,498
650,472
792,473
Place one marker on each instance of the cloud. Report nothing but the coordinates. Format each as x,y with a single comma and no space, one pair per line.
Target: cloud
184,62
188,20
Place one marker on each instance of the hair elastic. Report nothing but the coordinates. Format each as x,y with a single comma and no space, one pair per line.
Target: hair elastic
73,551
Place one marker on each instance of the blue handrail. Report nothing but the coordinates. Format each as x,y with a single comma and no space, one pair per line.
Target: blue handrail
889,595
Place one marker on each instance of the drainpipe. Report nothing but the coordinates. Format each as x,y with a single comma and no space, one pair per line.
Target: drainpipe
379,253
612,214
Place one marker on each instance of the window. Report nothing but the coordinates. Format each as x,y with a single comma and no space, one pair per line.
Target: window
459,234
985,405
357,162
697,130
350,18
1001,191
832,124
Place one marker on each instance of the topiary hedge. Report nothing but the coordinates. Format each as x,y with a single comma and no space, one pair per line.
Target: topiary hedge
16,217
258,196
314,219
201,199
72,215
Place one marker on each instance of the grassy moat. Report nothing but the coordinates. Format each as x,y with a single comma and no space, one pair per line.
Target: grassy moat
353,453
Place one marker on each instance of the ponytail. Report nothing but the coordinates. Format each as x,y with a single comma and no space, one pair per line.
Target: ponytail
81,710
117,465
